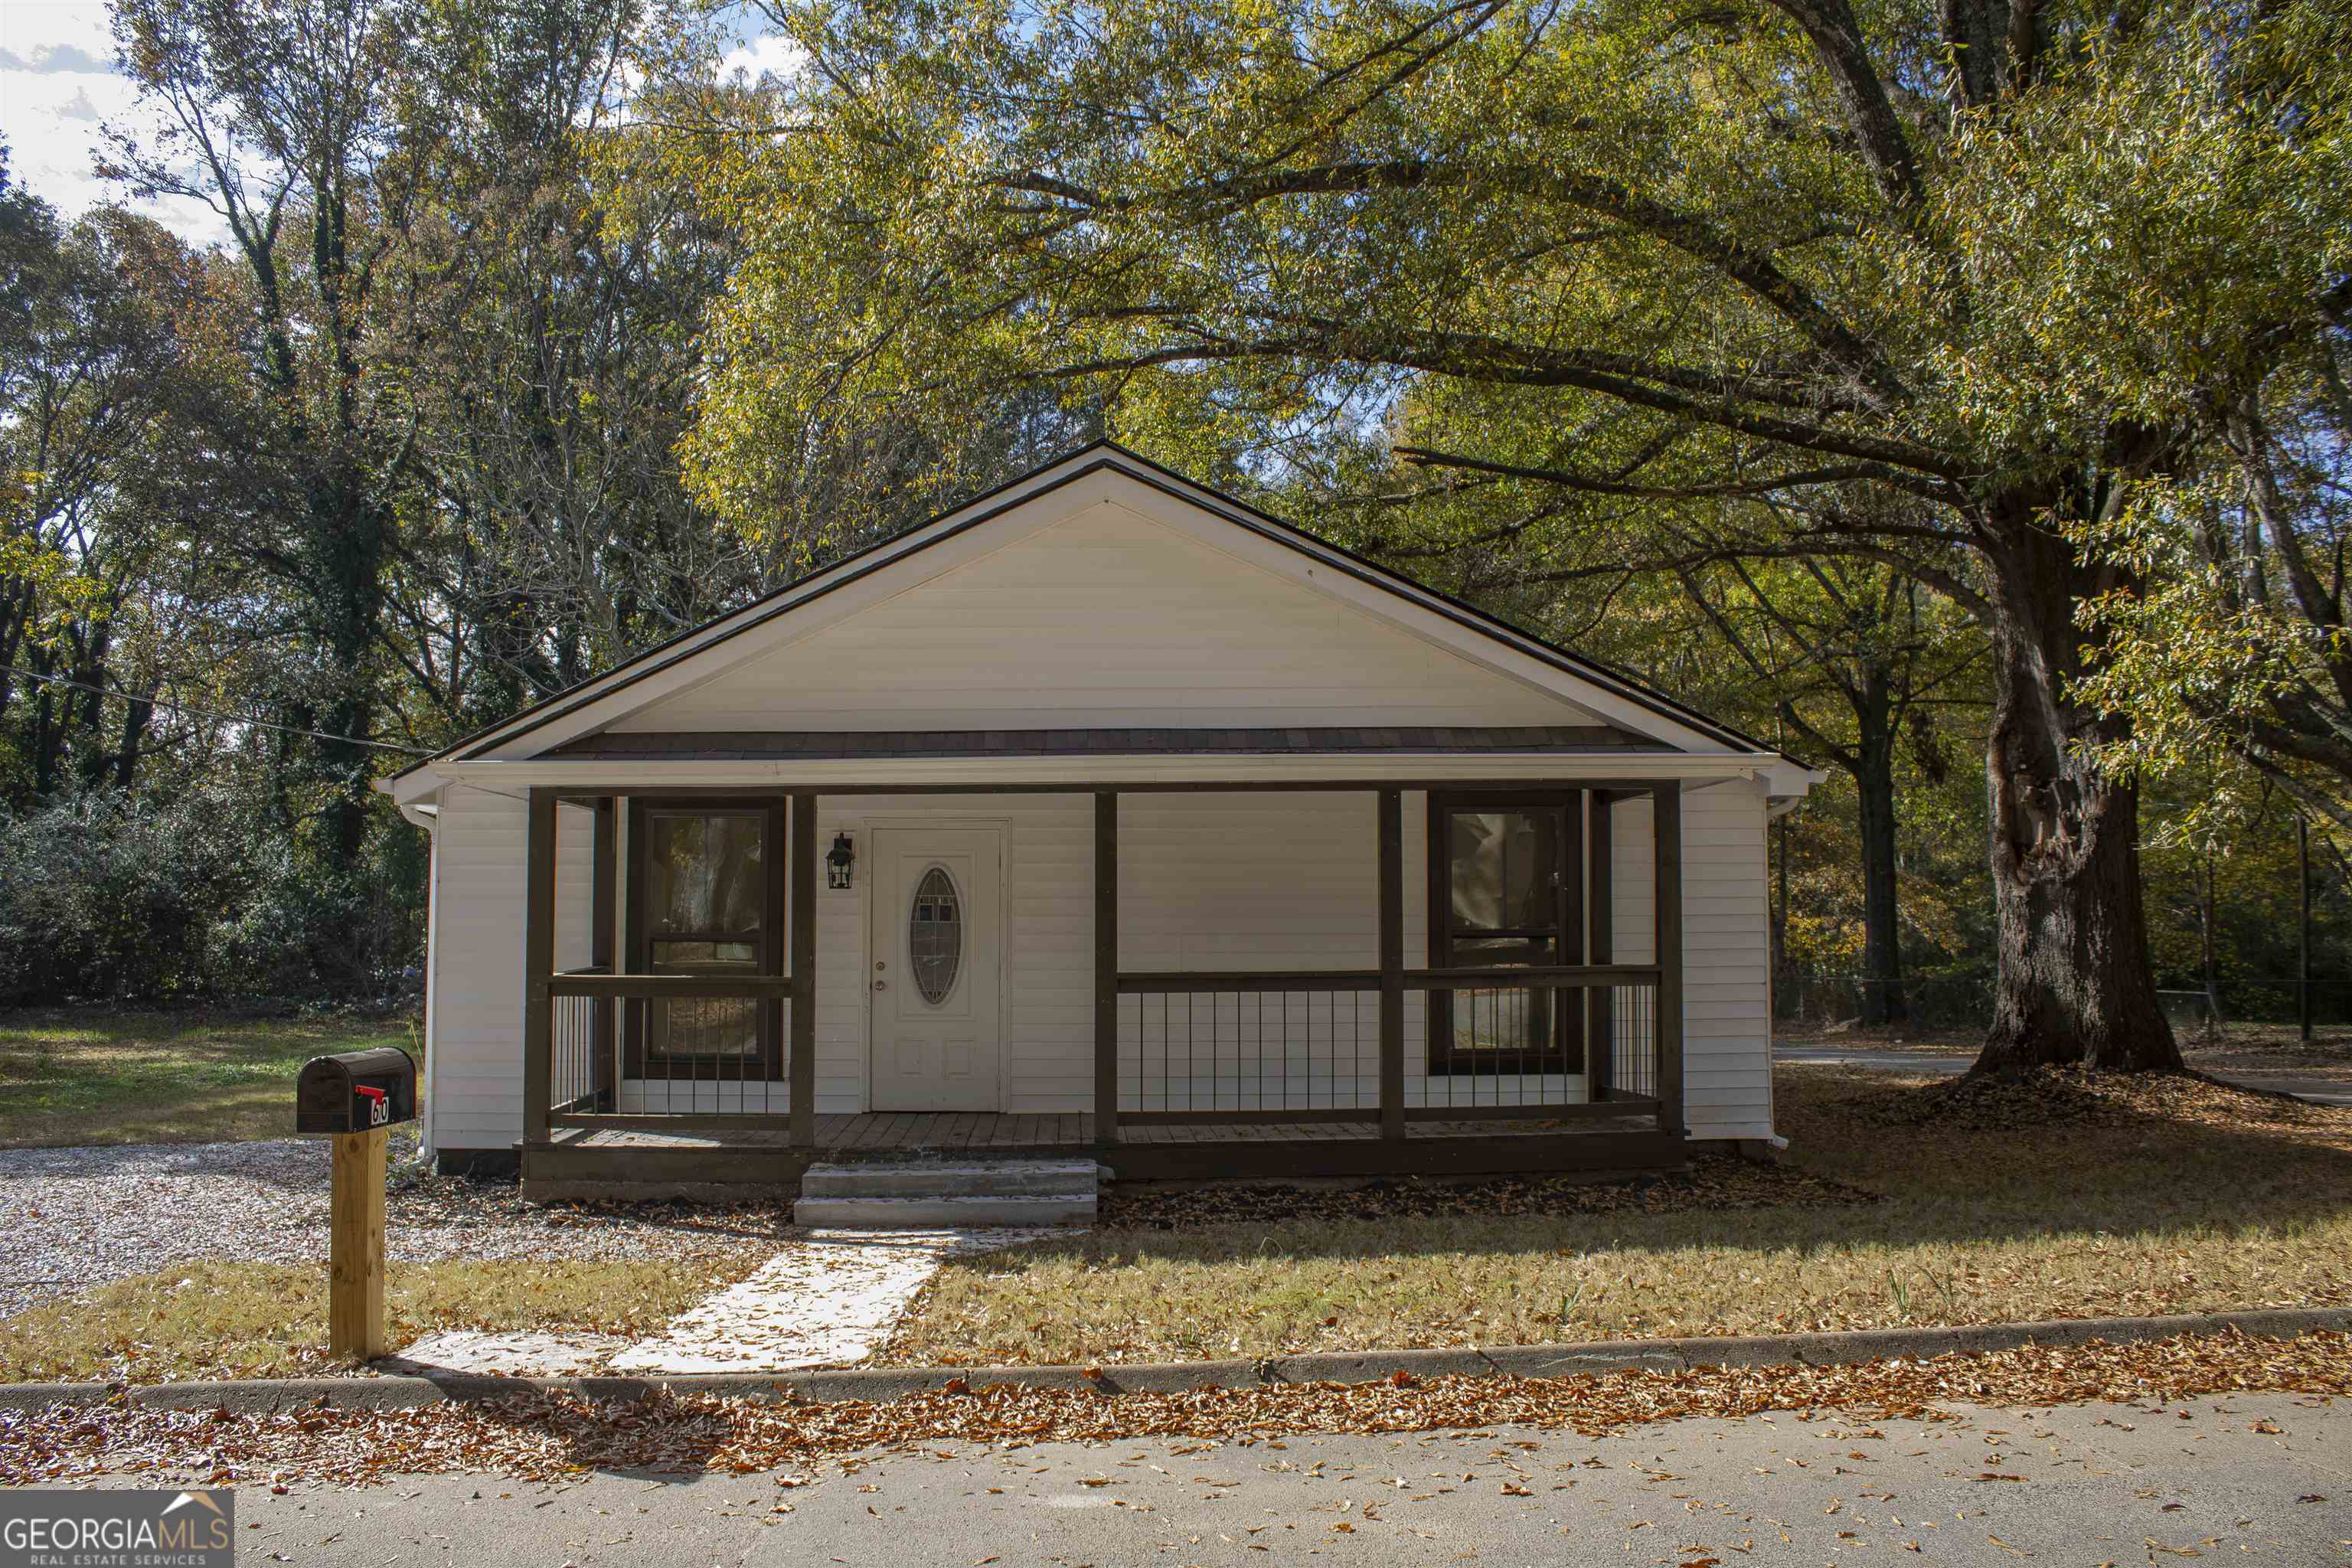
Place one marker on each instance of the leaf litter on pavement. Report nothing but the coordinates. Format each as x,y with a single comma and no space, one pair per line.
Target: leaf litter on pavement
561,1436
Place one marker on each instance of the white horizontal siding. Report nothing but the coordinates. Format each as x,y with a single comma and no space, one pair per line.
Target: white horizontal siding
1208,881
1726,1004
477,962
1105,620
1726,988
1274,881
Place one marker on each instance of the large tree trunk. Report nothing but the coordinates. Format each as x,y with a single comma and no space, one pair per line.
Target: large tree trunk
2075,986
137,714
349,541
1883,1001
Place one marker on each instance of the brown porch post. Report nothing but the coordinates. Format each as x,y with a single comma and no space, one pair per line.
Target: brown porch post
1106,966
802,858
1600,942
1666,820
601,941
1391,915
537,960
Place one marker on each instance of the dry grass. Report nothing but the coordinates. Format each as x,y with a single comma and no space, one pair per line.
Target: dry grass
2172,1200
71,1077
270,1319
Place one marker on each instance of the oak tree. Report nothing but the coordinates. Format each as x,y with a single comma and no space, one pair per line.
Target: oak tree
1994,257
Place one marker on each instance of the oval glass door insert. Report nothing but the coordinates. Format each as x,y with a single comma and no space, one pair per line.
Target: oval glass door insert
935,935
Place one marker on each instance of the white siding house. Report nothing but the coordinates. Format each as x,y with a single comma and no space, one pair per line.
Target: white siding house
1101,811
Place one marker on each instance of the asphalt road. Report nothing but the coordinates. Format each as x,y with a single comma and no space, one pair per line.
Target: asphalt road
2258,1478
2317,1091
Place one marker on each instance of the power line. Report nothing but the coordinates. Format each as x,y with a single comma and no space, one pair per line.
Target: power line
209,713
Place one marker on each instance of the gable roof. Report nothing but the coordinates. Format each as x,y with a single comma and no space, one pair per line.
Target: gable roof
1410,597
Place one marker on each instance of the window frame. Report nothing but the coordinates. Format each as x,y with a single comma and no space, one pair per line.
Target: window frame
1563,1051
641,1060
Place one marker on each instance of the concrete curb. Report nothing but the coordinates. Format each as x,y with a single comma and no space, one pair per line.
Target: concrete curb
872,1385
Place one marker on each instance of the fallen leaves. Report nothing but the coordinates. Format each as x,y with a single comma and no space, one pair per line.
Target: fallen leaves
2061,1097
552,1437
1712,1181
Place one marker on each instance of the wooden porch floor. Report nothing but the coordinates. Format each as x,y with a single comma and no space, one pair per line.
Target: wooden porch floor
965,1131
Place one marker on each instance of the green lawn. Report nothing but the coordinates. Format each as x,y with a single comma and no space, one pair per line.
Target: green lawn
96,1076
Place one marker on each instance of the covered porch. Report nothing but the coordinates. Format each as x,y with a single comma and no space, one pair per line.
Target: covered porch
1473,1041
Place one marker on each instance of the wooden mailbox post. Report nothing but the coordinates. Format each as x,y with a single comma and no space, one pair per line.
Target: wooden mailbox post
357,1098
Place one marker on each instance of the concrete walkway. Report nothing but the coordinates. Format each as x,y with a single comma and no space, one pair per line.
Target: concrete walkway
2252,1477
829,1299
2315,1090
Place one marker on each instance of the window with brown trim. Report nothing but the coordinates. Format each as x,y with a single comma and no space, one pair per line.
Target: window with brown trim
1507,889
706,897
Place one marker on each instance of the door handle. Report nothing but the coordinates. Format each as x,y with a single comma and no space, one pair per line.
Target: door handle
881,985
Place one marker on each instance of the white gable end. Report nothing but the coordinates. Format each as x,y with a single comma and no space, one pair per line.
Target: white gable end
1107,618
1097,592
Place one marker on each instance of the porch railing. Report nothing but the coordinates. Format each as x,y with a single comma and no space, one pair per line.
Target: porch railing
1297,1047
1313,1045
725,1049
709,1057
1239,1047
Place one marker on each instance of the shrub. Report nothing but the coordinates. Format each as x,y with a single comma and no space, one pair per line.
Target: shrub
105,896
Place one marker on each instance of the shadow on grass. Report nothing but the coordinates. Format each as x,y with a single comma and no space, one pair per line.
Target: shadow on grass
2288,1166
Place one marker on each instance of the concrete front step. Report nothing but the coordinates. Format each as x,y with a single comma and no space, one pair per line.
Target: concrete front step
937,1213
963,1178
924,1194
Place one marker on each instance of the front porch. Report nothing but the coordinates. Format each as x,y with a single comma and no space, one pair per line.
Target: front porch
1559,1058
581,1163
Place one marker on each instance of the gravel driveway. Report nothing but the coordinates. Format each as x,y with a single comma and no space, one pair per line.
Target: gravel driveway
72,1218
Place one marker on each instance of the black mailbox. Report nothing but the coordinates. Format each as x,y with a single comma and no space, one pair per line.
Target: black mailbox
355,1091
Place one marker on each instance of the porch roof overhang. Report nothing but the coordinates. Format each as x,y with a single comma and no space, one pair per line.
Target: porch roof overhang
1078,772
805,745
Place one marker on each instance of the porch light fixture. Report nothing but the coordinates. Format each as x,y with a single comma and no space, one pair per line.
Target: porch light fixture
837,863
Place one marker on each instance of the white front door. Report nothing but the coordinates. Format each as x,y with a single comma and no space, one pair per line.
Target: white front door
938,969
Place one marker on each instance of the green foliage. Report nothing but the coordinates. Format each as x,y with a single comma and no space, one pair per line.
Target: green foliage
101,898
1703,341
104,895
1570,295
1249,226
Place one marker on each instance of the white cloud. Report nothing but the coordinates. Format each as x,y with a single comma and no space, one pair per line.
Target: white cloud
58,83
58,30
56,58
770,54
